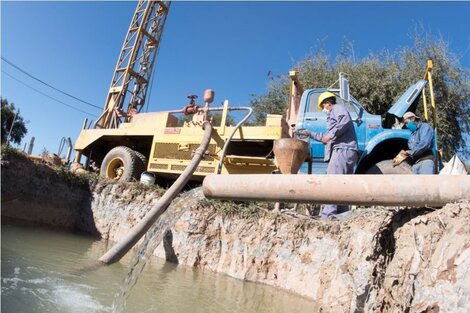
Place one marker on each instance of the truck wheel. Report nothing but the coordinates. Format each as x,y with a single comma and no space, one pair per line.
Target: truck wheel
386,167
143,160
121,163
142,167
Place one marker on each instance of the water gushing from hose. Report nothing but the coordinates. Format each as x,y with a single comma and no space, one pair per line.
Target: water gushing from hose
121,248
152,239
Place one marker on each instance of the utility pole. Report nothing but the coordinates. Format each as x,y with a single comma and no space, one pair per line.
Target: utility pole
11,128
31,145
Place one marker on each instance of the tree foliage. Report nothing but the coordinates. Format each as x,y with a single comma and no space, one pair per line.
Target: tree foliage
8,115
378,79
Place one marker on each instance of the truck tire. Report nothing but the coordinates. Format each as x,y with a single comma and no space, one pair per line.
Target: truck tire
386,167
142,166
121,164
143,160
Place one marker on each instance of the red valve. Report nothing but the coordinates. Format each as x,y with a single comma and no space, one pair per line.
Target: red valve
191,108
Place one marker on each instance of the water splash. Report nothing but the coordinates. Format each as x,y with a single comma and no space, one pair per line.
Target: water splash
48,292
152,239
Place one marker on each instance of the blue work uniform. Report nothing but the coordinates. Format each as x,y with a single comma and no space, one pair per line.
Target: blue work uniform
341,150
420,145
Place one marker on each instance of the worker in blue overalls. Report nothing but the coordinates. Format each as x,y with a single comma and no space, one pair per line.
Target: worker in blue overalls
340,142
420,146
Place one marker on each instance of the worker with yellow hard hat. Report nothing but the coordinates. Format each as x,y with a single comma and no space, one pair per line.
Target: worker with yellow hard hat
323,96
341,150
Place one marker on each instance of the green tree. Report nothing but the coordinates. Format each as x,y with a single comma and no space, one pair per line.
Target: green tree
217,119
19,129
378,79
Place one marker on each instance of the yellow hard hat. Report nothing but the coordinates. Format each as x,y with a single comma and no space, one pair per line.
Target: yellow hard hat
323,96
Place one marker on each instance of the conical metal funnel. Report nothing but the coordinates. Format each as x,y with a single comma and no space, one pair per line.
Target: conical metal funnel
290,153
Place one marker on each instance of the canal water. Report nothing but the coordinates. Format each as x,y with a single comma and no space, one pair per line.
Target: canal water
40,272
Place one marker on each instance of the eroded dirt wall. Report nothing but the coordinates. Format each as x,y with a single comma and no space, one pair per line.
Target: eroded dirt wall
430,267
348,266
36,193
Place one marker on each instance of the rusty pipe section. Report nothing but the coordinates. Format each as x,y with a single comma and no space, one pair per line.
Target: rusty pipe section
402,190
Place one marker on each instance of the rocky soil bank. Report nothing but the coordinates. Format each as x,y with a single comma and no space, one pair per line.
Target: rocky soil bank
388,259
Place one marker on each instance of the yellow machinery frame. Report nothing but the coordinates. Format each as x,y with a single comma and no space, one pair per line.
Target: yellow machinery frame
172,145
428,77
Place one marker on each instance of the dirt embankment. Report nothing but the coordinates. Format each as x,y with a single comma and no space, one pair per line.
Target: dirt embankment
379,260
36,193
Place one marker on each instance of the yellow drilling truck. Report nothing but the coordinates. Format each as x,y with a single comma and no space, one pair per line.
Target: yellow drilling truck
163,143
124,142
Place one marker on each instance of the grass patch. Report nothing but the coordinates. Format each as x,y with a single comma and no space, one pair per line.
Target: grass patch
246,210
8,151
76,179
139,188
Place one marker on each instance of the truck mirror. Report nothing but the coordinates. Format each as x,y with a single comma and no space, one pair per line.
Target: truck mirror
344,87
361,113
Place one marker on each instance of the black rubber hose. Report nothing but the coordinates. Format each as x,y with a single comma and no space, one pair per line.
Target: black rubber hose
122,247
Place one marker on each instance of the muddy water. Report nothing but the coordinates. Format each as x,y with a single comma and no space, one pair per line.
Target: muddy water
39,274
152,239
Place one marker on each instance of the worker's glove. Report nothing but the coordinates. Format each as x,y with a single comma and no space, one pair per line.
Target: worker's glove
402,156
302,133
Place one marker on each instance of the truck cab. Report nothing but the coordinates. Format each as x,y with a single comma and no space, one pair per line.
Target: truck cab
380,138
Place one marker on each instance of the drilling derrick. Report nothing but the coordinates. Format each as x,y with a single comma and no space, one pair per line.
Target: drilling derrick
123,144
131,78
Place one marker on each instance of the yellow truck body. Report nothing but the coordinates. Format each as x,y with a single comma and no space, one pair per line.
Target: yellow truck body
168,143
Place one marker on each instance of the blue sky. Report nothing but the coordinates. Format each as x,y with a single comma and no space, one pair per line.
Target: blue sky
226,46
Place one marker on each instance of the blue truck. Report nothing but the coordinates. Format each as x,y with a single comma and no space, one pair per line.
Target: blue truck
380,138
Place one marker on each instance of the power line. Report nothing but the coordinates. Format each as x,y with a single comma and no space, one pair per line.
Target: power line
43,82
68,105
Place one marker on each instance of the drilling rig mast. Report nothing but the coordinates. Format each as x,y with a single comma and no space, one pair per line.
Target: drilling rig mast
122,144
135,63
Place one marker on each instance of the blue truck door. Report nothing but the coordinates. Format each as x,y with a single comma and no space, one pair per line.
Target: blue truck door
315,121
357,119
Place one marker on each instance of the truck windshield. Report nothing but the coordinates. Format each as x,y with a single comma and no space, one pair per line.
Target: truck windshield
313,99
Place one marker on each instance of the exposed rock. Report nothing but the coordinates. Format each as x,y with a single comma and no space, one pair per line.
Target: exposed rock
430,267
344,266
52,159
76,167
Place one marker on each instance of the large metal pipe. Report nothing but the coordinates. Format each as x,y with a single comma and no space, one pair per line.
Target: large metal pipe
409,190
